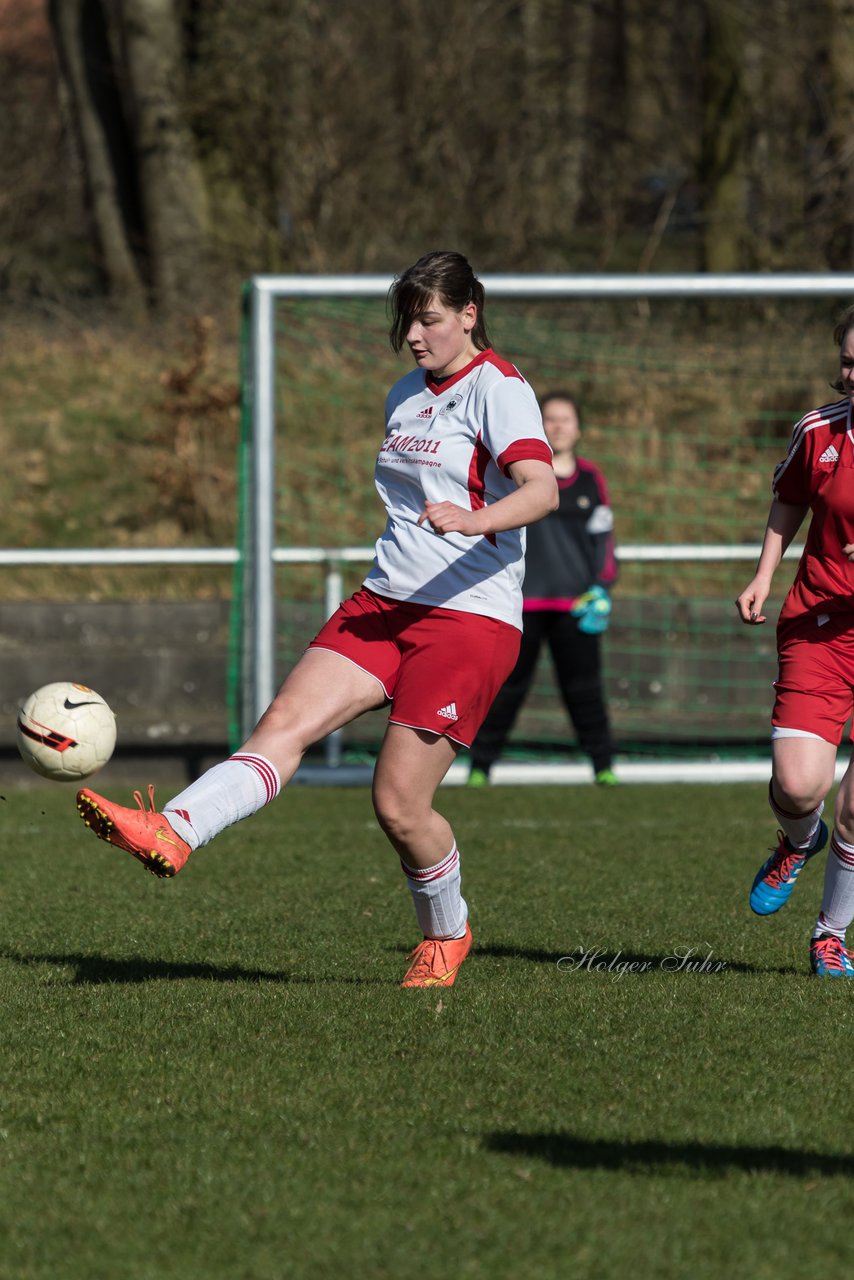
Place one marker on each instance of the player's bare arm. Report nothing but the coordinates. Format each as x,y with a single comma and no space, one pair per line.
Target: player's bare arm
784,520
535,496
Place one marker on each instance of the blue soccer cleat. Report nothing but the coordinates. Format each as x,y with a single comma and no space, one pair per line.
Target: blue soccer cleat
829,958
775,879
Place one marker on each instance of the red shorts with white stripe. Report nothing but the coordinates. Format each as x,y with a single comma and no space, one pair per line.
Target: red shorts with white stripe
439,668
815,682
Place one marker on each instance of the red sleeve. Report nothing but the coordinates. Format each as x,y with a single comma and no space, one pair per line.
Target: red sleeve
793,481
525,451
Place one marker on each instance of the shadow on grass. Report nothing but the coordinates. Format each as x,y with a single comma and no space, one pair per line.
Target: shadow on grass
681,960
98,970
566,1151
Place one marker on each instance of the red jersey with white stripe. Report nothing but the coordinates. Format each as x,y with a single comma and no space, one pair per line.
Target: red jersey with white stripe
452,441
818,472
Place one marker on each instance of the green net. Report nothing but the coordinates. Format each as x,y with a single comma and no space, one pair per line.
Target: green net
687,405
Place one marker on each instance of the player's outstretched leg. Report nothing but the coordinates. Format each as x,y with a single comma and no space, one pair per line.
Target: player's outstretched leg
776,878
144,833
234,789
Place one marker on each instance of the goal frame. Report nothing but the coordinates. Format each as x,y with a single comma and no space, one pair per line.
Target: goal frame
260,554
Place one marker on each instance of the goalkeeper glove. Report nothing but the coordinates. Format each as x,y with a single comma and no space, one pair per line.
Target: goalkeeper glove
593,611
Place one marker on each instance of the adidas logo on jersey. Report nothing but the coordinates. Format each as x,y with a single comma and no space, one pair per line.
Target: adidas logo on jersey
830,454
425,413
449,712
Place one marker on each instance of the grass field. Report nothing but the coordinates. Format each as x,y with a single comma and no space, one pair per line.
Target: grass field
219,1077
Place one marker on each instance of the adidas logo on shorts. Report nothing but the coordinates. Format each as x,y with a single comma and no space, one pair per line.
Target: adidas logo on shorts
449,712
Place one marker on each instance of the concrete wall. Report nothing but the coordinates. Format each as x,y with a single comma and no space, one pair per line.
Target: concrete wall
161,666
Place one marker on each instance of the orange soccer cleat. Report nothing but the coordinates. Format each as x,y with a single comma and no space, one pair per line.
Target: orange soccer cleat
143,832
436,961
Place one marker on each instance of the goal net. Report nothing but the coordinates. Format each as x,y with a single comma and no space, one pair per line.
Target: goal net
688,400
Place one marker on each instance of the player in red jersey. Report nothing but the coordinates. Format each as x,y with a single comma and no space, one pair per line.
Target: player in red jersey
463,468
814,690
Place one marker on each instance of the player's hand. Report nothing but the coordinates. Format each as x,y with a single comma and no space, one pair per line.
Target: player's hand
848,550
749,604
447,517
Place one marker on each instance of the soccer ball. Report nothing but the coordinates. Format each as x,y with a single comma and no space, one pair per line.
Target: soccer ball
66,731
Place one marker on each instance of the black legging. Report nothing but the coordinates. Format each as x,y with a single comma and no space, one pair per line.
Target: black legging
576,658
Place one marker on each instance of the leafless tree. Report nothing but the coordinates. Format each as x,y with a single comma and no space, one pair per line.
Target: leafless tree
122,68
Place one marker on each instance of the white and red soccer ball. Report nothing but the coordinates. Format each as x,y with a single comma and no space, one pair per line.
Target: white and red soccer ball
66,731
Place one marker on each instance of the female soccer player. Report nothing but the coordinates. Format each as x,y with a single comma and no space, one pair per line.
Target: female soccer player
569,567
434,630
815,683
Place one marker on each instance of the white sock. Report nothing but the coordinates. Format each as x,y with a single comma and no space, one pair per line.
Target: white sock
837,904
441,910
235,789
799,828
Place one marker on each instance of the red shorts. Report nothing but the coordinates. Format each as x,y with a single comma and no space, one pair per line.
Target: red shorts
439,668
815,681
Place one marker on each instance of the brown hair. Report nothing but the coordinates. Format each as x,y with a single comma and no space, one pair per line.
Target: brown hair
443,275
843,327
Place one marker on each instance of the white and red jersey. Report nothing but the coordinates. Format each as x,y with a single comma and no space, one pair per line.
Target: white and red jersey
818,472
452,441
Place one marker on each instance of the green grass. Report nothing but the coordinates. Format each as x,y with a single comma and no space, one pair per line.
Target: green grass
219,1076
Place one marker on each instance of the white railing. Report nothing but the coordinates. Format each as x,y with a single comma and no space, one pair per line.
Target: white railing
118,556
46,556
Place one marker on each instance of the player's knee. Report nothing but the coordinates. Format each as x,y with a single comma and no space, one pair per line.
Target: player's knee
393,819
397,815
798,792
